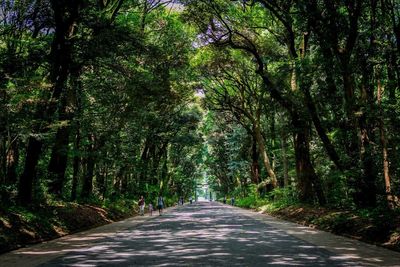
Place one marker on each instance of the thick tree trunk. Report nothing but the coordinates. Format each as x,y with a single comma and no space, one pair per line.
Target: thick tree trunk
365,195
58,161
25,186
65,15
362,179
367,185
59,156
308,182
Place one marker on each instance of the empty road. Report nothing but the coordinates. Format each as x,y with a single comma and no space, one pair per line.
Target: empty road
202,234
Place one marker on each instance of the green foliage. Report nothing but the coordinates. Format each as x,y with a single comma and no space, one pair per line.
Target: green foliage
284,196
125,119
275,200
248,202
121,205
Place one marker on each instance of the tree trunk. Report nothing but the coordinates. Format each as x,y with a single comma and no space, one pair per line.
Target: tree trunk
59,156
307,179
87,187
124,184
25,186
65,15
367,184
285,163
263,152
76,163
58,161
329,148
308,182
100,179
3,158
362,178
144,161
117,181
365,196
12,162
386,175
164,171
255,167
105,182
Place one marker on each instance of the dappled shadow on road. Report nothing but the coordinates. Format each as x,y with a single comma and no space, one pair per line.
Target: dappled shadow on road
202,234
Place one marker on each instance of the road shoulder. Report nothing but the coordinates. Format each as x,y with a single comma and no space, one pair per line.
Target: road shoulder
38,254
345,248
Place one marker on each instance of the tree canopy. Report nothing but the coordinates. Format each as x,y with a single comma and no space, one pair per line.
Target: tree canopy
101,100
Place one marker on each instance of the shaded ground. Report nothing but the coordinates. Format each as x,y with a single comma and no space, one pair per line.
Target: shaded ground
20,227
379,227
203,234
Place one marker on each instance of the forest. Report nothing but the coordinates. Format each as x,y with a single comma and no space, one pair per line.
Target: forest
264,100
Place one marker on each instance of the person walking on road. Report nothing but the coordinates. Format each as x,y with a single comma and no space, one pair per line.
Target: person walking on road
151,209
141,205
160,204
190,199
233,201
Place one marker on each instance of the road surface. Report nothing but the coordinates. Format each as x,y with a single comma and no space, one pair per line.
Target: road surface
202,234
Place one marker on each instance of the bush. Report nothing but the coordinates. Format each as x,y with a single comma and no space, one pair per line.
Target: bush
121,205
247,202
284,196
278,198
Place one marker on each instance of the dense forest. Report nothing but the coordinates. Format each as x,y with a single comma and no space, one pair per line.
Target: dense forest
108,99
96,101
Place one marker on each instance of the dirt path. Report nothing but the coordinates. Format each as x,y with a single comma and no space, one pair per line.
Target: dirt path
202,234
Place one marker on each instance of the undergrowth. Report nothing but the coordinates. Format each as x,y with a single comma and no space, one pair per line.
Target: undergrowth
274,200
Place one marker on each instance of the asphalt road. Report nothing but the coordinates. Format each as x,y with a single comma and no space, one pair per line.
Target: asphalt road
205,234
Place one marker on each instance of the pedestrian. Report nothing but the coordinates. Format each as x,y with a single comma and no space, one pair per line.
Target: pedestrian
224,200
181,200
190,200
160,204
233,201
141,205
151,209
